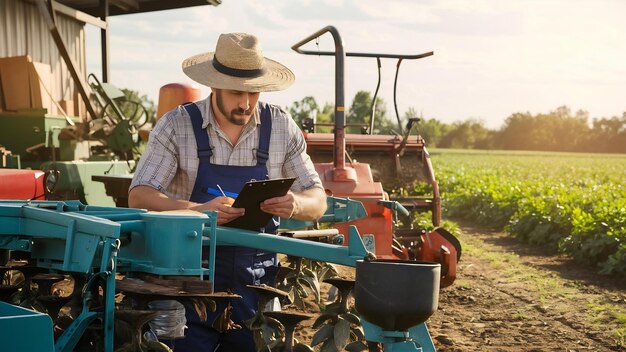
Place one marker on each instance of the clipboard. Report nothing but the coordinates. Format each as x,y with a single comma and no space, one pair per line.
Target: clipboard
251,196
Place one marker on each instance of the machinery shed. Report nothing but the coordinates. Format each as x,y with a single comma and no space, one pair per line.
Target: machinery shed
48,36
54,115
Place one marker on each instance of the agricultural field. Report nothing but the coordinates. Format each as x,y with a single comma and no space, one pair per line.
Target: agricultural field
572,203
544,241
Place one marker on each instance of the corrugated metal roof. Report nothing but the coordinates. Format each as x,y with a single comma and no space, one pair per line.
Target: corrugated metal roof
123,7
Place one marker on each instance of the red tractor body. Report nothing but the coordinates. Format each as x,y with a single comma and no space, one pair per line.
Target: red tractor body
354,165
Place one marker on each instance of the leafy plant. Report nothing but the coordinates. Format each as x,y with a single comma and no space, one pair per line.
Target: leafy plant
573,203
339,328
300,278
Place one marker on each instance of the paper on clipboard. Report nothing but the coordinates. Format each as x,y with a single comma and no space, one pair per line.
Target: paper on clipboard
251,196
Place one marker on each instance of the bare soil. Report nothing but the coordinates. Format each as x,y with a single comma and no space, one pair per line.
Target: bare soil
509,296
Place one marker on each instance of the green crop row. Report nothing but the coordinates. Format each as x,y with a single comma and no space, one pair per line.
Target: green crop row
575,203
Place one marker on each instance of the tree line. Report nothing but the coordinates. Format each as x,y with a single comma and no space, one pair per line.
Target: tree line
559,130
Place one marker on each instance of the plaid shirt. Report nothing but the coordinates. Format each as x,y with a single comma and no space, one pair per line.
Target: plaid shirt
170,161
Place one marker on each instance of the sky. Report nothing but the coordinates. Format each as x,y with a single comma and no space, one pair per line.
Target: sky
491,58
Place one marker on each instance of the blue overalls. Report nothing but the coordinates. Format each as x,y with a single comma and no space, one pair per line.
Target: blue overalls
235,267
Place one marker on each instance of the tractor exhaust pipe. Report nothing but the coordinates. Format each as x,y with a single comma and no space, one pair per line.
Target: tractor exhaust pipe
340,172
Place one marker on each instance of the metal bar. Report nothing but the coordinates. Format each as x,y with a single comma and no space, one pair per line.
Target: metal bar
212,233
339,131
109,255
394,206
48,15
371,131
395,90
68,340
312,233
117,216
382,56
15,243
85,223
69,245
95,208
392,56
104,39
132,226
436,209
324,252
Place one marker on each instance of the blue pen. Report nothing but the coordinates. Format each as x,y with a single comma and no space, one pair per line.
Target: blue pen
220,192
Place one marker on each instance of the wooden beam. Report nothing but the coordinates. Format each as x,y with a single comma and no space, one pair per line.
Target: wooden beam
126,4
78,15
48,15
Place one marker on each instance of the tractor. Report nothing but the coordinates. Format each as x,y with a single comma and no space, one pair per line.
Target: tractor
344,162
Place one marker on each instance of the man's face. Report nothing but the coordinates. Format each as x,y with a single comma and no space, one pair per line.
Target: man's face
236,106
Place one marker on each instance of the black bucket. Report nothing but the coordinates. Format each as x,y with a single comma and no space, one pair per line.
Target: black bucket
396,294
5,255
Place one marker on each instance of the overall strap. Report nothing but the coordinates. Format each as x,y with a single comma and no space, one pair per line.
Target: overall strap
202,137
262,154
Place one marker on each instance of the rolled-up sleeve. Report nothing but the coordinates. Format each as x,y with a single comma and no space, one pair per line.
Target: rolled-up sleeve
297,163
159,162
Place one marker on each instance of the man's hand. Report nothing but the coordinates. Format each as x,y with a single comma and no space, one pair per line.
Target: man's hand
223,206
285,206
146,197
309,204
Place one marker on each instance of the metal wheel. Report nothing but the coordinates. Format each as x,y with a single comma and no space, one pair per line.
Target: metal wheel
133,111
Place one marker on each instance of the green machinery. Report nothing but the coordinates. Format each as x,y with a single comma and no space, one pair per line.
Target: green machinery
71,152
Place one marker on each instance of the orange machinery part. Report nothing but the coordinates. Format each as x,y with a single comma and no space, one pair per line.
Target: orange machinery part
436,248
356,183
173,94
21,184
376,230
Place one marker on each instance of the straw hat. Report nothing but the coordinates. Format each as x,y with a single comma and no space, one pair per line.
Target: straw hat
238,64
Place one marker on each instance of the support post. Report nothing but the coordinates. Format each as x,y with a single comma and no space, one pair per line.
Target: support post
104,39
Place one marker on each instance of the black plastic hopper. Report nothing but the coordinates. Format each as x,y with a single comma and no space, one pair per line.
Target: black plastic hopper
396,294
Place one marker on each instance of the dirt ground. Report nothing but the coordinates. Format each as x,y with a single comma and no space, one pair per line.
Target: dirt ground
513,297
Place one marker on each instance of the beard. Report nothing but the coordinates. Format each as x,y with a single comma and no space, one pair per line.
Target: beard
236,116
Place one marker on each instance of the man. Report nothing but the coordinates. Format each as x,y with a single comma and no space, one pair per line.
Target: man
220,143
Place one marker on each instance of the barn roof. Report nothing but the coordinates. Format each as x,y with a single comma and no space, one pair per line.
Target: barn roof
123,7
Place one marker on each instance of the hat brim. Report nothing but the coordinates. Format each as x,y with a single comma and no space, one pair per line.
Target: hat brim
200,69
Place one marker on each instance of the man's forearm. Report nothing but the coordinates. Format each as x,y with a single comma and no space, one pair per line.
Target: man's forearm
146,197
311,204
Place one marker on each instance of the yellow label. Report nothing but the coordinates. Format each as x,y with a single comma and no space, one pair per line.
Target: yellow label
341,108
